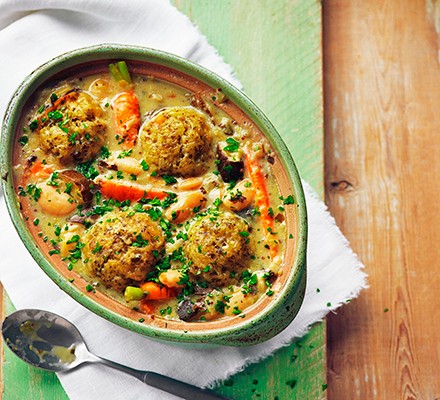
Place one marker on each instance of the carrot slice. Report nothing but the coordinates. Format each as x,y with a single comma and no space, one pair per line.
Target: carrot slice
39,169
121,192
156,291
262,200
148,307
127,116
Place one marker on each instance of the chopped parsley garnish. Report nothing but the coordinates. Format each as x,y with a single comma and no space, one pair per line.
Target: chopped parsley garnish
140,241
53,97
55,115
217,202
87,169
249,280
144,165
97,248
69,186
125,153
170,199
255,212
75,253
90,288
166,311
236,310
33,125
154,212
228,168
220,307
182,235
100,210
169,179
52,180
72,137
23,140
233,145
104,152
236,196
33,191
289,200
73,239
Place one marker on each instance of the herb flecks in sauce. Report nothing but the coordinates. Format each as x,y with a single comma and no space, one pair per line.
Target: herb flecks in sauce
195,215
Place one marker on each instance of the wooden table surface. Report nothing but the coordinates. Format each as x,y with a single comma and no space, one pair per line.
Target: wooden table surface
382,174
382,179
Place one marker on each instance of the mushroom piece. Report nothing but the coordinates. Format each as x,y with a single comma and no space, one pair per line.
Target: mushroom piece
230,168
188,310
79,181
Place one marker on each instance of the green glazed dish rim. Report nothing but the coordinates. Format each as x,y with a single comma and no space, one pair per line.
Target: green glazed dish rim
273,318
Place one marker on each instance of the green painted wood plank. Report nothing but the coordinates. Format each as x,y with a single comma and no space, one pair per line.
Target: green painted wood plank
274,47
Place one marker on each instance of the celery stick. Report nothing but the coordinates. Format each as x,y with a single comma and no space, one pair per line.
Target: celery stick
114,72
133,293
123,69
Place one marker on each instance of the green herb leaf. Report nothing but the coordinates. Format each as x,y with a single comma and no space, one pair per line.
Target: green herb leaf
87,169
289,200
233,145
33,125
144,165
169,180
23,140
55,115
104,153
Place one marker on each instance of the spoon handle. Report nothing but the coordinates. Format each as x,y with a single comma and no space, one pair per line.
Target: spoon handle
178,388
162,382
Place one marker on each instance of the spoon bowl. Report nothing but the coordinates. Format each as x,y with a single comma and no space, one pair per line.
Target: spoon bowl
43,339
48,341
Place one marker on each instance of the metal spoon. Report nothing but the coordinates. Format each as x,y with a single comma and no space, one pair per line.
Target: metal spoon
48,341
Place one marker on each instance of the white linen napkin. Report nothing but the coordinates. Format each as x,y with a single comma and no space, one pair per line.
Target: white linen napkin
33,31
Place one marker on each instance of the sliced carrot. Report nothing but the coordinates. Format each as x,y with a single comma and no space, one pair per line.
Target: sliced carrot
127,116
121,192
261,199
156,291
147,306
39,169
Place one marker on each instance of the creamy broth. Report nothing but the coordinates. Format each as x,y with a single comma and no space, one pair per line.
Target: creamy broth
182,219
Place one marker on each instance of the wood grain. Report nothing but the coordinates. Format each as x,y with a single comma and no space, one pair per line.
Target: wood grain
382,174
